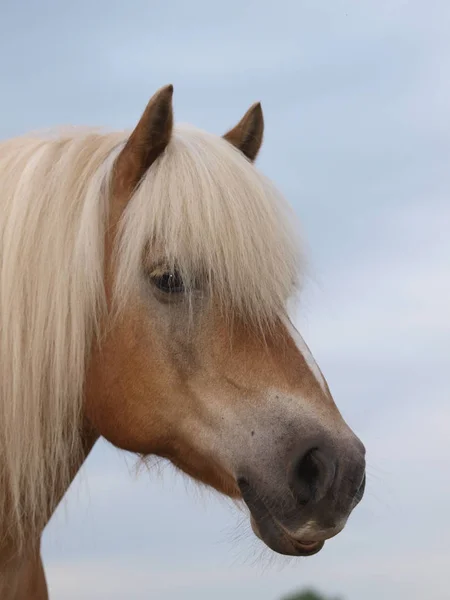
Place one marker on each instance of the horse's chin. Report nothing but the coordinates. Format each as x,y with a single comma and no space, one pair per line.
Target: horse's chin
270,531
278,540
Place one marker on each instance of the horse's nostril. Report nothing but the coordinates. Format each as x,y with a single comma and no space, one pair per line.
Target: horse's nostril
308,470
312,476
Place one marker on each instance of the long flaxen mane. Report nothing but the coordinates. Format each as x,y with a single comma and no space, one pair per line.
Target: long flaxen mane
202,205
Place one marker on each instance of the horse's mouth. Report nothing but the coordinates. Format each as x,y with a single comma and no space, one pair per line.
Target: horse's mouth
279,541
266,528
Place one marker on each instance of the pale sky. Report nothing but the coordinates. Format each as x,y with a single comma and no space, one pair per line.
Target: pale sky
356,98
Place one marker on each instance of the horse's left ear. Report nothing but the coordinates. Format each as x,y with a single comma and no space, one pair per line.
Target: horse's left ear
247,135
148,140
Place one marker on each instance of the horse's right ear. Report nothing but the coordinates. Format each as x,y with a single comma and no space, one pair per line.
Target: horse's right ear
148,140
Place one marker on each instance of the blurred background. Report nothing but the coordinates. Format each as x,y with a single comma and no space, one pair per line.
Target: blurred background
356,97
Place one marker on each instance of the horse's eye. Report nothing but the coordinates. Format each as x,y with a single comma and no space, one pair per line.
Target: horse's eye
169,282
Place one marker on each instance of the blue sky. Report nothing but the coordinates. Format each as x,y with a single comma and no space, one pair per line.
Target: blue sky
356,98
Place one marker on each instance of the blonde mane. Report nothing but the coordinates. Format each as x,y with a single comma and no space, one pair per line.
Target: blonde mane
202,205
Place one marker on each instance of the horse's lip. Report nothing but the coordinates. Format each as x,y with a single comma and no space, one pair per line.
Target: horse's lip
307,548
267,528
278,540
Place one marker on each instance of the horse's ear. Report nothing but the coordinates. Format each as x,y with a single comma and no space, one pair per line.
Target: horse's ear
247,135
148,140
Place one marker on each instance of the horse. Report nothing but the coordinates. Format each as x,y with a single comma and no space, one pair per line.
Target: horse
145,280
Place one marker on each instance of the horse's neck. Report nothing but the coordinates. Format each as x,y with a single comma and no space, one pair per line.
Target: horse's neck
22,577
89,437
25,568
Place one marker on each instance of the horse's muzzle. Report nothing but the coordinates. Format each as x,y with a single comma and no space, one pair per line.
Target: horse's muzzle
323,484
